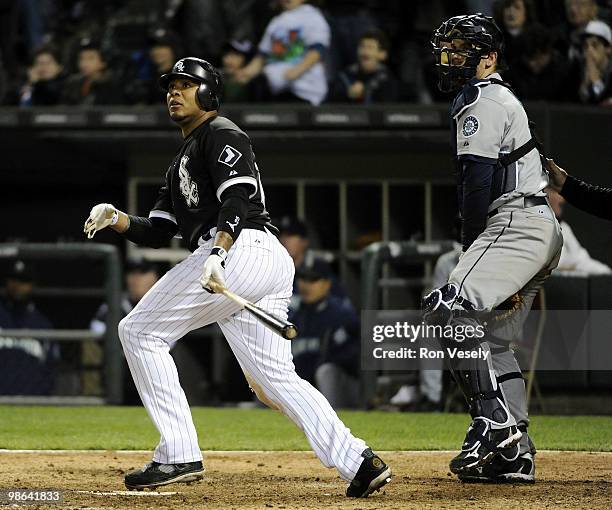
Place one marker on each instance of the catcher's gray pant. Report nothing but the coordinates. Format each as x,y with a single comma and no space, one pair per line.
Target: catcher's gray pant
514,256
259,269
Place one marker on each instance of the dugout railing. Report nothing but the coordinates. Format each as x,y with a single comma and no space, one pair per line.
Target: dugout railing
376,261
109,292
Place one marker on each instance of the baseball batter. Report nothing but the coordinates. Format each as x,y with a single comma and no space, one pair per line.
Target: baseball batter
511,243
213,197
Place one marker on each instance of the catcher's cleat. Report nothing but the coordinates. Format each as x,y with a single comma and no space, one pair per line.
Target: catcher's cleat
154,474
371,476
502,470
482,444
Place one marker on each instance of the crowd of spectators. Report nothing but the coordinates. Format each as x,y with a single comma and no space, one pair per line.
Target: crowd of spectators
93,52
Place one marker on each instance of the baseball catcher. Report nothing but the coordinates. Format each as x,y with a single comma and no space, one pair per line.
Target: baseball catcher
511,243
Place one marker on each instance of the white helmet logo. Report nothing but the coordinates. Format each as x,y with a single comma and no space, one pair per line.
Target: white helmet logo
180,66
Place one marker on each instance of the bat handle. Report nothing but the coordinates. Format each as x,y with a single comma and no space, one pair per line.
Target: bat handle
217,288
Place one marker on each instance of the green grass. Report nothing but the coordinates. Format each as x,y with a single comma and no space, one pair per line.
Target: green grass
129,428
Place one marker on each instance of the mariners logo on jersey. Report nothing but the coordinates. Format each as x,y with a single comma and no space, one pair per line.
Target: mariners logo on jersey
470,125
188,189
229,156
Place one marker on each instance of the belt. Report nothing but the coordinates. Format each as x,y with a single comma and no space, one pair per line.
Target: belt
531,201
263,228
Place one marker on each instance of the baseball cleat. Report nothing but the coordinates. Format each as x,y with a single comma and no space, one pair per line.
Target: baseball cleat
502,470
372,475
154,474
482,444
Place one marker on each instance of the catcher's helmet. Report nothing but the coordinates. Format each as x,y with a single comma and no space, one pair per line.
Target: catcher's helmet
456,64
211,86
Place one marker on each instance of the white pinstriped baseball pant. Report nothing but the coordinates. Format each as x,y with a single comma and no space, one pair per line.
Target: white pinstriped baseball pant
259,269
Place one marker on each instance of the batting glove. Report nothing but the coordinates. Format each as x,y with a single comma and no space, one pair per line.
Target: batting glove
214,269
101,216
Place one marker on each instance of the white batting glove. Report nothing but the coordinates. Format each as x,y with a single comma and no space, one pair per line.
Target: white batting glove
101,216
214,269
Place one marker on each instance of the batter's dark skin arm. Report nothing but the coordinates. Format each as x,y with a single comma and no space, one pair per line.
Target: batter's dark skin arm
595,200
224,240
123,223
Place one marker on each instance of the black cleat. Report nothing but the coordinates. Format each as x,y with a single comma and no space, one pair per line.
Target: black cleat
482,444
371,476
502,470
155,474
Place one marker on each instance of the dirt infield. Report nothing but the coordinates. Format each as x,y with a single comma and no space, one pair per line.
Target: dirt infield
288,480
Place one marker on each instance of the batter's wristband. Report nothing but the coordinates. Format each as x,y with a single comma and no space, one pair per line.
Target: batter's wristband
218,250
115,217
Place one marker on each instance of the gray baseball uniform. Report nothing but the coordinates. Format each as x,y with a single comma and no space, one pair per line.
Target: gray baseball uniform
521,242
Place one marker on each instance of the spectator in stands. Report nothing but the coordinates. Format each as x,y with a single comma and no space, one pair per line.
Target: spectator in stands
206,25
326,351
94,84
45,79
369,80
291,54
349,20
596,63
235,56
26,364
164,51
578,14
541,72
514,17
574,257
140,276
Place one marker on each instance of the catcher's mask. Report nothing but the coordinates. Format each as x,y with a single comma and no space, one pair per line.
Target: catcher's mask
459,44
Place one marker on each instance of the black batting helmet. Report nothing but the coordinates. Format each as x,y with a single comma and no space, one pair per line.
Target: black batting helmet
203,72
480,36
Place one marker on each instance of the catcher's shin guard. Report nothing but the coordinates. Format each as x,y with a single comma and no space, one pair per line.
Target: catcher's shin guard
477,380
493,428
474,370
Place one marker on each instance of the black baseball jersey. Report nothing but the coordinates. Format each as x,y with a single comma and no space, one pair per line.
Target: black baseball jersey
215,155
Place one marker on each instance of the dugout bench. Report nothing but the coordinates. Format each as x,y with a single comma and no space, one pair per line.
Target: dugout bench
109,291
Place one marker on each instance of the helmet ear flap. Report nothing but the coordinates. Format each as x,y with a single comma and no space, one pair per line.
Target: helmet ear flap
207,99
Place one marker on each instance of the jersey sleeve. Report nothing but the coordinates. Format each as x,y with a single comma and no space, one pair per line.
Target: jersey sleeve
233,162
163,206
480,130
316,30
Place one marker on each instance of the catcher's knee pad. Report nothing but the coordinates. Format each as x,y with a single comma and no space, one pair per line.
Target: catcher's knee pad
441,304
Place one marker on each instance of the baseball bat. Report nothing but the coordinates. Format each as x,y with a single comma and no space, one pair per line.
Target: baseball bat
284,328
